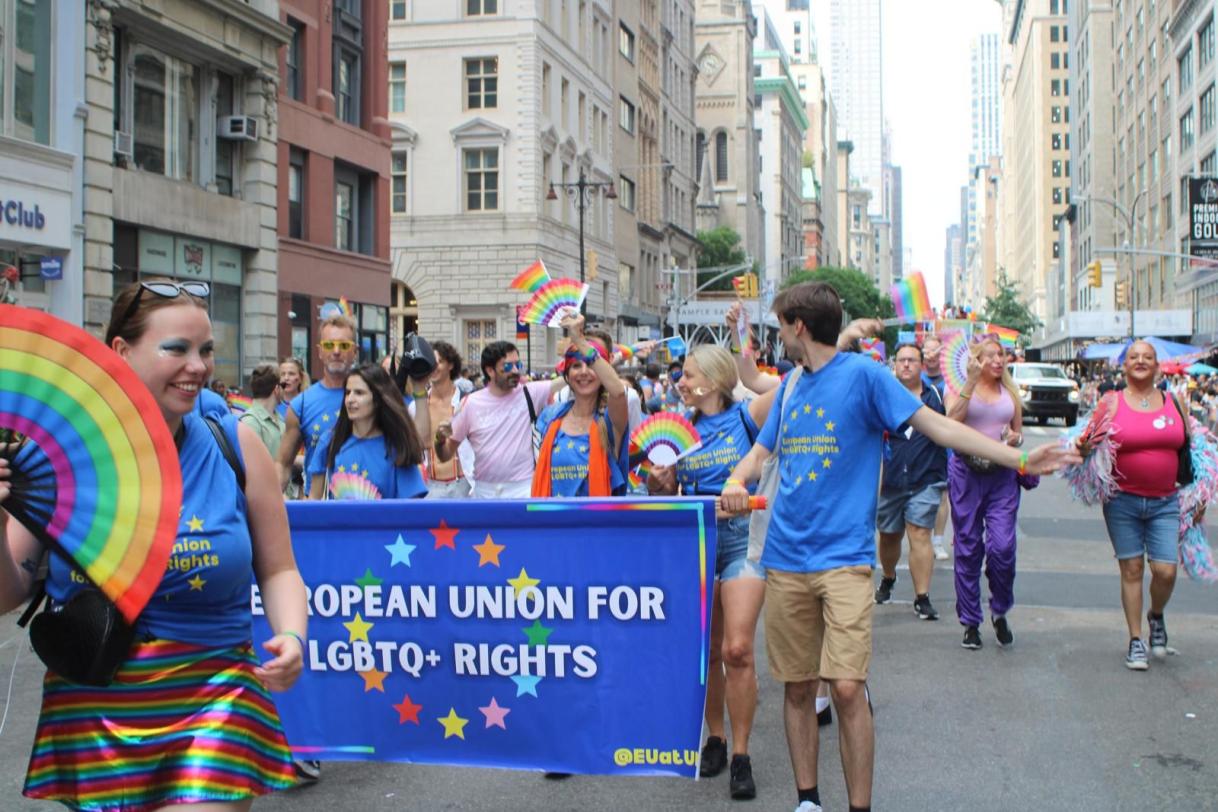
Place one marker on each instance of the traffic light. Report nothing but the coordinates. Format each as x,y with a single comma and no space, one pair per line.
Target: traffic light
1095,274
750,286
1122,297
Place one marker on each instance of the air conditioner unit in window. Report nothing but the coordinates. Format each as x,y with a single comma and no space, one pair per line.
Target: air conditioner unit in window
237,128
123,145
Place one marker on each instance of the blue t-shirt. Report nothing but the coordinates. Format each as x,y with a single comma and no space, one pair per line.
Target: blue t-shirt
204,597
208,402
316,408
368,457
914,461
938,382
569,459
726,438
282,409
831,442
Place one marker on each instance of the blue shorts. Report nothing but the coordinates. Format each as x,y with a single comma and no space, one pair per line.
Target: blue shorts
899,508
1144,525
732,540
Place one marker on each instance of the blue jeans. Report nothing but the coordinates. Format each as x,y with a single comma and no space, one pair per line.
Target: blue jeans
731,560
1143,525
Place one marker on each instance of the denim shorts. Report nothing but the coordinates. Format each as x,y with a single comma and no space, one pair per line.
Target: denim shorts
1143,525
899,508
732,560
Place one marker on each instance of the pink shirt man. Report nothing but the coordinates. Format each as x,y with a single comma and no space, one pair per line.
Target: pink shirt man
500,432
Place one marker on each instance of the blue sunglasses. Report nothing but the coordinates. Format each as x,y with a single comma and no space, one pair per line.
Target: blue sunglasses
513,366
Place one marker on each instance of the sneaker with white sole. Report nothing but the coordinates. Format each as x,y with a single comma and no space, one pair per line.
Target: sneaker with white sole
1158,636
808,806
940,553
883,593
1136,658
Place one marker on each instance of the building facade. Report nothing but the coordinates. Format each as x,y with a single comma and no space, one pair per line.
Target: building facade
42,131
512,97
857,82
180,162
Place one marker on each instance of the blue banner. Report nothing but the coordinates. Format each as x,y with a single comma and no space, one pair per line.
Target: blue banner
563,635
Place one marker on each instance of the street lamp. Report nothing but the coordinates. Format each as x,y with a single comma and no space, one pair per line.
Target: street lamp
582,191
1130,237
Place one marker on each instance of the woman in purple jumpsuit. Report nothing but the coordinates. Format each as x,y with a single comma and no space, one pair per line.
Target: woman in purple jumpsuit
985,497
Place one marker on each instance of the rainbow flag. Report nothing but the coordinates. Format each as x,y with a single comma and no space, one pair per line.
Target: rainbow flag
238,403
531,278
911,300
874,349
1006,336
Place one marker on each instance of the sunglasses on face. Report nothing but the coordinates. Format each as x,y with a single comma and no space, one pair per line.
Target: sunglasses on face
342,345
166,290
512,366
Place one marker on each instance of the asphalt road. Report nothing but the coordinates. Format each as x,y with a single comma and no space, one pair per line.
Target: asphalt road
1054,723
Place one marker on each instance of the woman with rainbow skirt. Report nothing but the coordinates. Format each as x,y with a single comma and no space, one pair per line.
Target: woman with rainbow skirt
188,718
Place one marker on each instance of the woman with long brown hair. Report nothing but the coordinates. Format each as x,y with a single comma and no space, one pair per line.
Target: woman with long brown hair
985,496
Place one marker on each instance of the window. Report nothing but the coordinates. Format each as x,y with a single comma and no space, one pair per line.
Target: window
476,8
626,115
397,175
1186,129
625,42
625,193
1207,109
545,88
481,168
721,157
479,333
1055,87
226,151
482,83
1054,34
1185,66
344,216
164,112
25,69
296,192
1055,115
397,9
294,61
354,212
1057,169
397,87
1208,165
1205,44
1055,60
347,85
1057,195
1056,140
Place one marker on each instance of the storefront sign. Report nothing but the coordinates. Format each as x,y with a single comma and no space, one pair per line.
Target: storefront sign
1203,217
35,216
51,268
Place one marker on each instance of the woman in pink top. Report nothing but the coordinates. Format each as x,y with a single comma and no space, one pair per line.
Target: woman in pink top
1143,518
985,497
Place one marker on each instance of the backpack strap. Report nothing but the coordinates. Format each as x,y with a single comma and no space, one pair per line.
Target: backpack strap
226,448
532,409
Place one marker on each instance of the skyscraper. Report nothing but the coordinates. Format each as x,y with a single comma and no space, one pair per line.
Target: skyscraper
985,60
857,82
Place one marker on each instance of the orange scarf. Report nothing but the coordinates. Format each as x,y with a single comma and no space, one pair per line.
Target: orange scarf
598,463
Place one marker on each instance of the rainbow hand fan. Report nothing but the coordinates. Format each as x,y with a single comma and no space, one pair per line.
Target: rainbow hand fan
953,359
664,438
911,299
531,278
551,300
874,349
108,489
239,404
623,352
352,487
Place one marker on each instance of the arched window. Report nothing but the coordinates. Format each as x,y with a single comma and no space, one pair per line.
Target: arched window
720,157
700,153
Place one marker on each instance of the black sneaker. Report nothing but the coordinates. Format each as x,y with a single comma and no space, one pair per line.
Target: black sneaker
1136,659
742,787
1003,632
309,772
972,638
714,757
923,608
883,594
825,718
1158,636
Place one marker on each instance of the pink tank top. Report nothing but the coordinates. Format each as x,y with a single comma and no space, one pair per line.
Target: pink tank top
990,418
1147,460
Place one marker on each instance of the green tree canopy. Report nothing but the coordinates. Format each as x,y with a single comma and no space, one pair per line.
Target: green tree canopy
1007,309
860,297
719,248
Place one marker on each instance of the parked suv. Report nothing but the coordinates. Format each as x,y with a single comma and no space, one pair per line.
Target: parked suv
1046,392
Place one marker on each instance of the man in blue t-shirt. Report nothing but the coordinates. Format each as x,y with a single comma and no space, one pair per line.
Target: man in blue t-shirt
932,375
820,545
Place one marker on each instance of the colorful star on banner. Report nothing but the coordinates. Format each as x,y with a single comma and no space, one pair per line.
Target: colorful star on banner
454,725
400,552
488,551
538,635
374,680
526,684
358,629
407,710
445,536
494,714
368,579
522,582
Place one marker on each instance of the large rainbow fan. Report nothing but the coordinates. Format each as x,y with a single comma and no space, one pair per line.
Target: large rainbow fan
664,438
953,359
911,299
352,487
531,278
551,300
105,486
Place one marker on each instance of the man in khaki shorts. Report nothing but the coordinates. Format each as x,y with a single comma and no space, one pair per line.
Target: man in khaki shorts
820,545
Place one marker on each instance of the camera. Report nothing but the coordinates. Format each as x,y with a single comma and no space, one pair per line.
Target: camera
418,359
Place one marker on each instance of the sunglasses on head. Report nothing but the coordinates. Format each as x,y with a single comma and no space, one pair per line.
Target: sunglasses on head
166,290
512,366
342,345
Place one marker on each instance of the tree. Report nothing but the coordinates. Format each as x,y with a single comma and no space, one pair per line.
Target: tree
719,248
1007,309
860,297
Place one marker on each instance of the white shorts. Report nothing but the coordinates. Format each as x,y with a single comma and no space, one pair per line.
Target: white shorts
503,490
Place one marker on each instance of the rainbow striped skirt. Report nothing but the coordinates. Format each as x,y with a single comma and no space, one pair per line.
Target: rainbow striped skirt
179,724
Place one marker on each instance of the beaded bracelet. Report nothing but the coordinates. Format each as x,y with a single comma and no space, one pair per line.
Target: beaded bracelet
298,638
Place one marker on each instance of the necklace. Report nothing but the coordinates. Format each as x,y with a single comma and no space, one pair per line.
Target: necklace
1145,403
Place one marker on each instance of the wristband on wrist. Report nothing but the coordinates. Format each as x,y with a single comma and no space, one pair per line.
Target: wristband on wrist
297,637
734,349
1023,463
419,395
733,482
590,355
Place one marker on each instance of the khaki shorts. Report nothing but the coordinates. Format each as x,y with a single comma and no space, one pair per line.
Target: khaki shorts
818,624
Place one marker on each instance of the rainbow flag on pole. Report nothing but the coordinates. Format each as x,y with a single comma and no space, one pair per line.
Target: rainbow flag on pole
911,300
1006,336
531,278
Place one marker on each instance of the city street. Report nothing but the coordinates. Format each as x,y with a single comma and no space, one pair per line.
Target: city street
1056,722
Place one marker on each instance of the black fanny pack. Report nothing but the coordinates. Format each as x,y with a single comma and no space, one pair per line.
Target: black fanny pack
84,640
979,465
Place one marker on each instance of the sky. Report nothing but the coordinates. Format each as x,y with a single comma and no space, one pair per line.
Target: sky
927,105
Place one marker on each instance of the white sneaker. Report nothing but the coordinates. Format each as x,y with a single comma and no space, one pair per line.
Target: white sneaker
808,806
940,552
